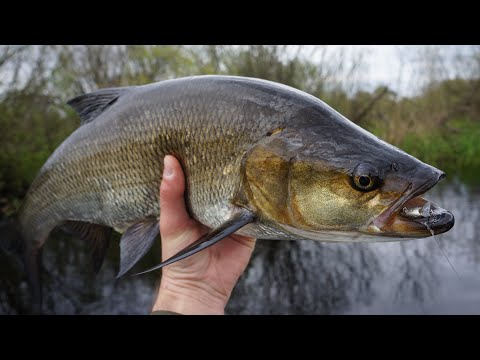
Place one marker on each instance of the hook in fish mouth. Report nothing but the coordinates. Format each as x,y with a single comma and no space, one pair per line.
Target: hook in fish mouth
412,215
427,215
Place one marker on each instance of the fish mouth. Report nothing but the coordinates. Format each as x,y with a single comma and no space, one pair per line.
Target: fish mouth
413,216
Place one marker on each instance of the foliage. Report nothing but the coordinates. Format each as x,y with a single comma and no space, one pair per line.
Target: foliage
440,125
455,150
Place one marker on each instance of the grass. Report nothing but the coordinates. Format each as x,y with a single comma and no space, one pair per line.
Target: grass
454,148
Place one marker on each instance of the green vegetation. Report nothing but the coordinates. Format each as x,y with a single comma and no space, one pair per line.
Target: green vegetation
440,126
456,152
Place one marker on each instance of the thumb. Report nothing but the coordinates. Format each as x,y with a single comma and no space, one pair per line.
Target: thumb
173,213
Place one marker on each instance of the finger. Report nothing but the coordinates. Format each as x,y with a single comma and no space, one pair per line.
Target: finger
173,213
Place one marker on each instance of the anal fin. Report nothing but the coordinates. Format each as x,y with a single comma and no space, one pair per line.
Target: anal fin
96,236
238,221
135,243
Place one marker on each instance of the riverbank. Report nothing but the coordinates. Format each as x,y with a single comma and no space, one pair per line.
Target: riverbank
455,149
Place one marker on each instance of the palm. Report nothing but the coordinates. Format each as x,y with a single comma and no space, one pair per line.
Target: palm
218,266
215,269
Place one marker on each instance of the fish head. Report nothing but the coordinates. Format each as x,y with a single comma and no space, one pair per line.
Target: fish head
333,176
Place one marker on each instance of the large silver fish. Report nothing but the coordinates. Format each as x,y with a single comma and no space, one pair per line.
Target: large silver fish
261,159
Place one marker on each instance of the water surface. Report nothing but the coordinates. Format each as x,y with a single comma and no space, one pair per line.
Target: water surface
286,277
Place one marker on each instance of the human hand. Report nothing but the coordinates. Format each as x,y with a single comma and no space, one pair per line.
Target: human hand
201,283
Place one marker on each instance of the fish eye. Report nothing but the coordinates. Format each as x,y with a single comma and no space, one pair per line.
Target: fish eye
364,181
365,177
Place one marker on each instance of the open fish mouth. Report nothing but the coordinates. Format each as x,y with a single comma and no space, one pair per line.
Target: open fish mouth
412,215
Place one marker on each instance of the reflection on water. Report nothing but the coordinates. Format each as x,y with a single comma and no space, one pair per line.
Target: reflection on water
286,277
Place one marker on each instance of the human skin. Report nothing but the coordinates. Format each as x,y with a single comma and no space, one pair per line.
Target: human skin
202,283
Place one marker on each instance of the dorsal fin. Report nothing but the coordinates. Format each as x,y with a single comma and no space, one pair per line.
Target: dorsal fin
89,106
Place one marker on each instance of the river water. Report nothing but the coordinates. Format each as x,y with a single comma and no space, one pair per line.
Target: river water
285,277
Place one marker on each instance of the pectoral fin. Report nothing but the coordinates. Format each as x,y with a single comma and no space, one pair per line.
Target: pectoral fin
135,243
239,220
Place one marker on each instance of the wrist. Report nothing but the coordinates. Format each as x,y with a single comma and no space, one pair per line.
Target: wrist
188,299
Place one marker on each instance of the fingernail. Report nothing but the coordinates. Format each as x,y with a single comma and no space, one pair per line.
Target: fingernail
167,167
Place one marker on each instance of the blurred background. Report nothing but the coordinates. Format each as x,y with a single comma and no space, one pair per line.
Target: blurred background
423,99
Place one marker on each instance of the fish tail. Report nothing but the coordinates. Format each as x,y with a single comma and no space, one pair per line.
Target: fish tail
33,266
13,241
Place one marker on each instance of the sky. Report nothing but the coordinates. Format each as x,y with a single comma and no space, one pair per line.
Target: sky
383,63
385,68
402,67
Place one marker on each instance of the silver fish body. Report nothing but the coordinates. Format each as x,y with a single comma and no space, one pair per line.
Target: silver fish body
109,170
260,159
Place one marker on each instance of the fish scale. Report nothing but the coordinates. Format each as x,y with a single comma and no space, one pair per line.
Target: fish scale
126,146
260,158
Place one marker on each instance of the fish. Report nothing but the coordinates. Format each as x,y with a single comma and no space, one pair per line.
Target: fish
260,158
